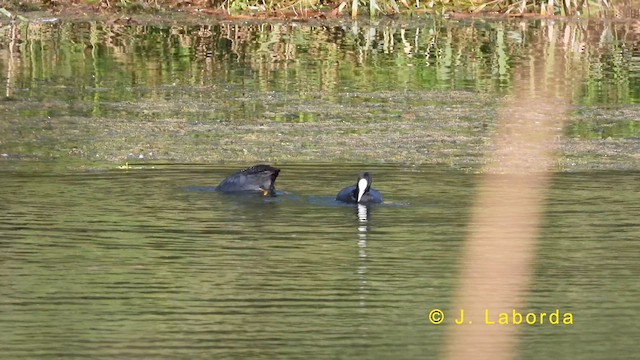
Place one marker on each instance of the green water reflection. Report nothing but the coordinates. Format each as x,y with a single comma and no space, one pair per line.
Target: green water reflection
113,61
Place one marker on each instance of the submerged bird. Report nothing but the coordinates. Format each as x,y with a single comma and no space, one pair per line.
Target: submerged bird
361,193
258,178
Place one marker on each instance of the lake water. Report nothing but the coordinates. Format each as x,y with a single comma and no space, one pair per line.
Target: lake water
149,263
112,136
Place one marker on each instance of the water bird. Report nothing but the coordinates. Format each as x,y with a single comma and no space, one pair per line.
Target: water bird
361,193
258,178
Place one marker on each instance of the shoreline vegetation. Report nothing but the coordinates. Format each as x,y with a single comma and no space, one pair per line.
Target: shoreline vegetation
327,9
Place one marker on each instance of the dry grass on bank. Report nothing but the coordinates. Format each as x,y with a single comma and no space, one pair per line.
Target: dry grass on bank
335,8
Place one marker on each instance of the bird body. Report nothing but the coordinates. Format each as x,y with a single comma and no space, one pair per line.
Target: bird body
361,193
259,178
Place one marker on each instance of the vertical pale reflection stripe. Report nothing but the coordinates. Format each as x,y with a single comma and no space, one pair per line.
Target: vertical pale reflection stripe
496,263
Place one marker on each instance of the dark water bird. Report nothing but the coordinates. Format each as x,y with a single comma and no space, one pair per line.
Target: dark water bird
361,193
258,178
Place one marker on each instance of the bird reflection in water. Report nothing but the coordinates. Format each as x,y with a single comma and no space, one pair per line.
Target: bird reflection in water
363,218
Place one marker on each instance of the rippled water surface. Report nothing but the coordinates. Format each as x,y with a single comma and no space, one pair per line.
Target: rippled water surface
149,263
103,260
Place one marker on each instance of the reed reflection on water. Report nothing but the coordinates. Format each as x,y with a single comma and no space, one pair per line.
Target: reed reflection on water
363,217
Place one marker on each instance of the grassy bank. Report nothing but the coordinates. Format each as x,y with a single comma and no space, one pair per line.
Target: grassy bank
333,8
